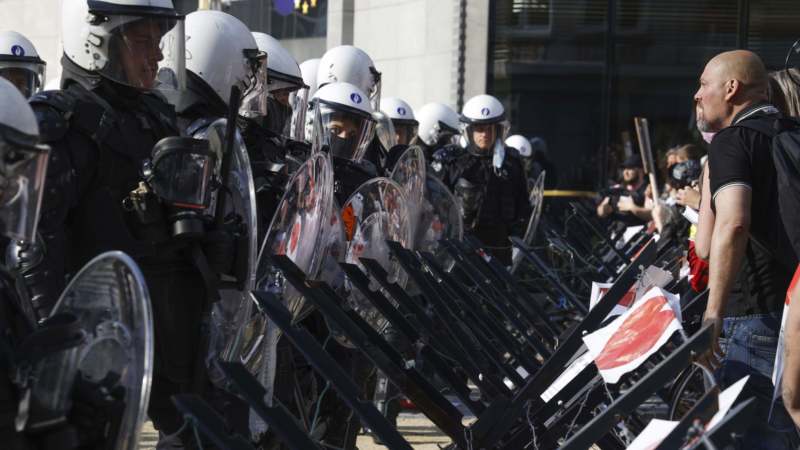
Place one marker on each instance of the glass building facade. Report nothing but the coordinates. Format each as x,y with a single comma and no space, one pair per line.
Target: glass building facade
576,72
282,19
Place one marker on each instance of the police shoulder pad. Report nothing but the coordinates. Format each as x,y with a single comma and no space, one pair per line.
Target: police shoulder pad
53,109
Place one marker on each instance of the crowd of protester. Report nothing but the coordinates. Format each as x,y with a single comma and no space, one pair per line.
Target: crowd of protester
738,228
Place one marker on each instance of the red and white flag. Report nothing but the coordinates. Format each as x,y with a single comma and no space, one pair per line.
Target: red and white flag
627,342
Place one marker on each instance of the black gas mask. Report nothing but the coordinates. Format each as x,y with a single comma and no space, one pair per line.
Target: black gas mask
181,175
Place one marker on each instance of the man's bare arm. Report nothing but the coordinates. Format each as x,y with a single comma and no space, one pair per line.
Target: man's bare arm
705,225
731,231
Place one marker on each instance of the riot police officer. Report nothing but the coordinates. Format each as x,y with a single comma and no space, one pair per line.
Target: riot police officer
26,422
344,128
487,177
272,138
102,126
438,123
20,63
405,128
348,64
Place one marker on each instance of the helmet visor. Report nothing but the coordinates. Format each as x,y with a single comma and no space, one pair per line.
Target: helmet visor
405,131
384,129
481,137
147,53
22,176
375,92
29,78
298,100
254,98
343,131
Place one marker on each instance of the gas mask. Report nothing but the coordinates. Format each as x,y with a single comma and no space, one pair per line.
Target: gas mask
181,175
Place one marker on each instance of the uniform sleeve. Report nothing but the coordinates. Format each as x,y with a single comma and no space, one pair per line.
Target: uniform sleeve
45,278
729,161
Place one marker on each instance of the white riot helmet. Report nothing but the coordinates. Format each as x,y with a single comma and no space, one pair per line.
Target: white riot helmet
20,63
308,70
137,43
224,54
282,68
343,122
402,116
485,116
285,79
437,122
349,64
302,126
521,143
23,164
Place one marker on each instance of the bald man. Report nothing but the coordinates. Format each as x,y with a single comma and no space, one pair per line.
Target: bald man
749,267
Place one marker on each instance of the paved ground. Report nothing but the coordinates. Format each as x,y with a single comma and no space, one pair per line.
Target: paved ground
416,428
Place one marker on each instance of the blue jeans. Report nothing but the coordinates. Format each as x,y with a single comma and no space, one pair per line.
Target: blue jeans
750,343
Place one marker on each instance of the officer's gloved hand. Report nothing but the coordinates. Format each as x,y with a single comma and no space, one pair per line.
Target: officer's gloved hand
97,410
219,246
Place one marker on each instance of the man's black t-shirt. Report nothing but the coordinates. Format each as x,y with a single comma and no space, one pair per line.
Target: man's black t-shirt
742,156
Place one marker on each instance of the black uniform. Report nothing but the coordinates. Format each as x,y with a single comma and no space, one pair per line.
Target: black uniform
502,207
100,132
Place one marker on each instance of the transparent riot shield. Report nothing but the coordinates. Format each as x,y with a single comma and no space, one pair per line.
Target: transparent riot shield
409,173
306,228
299,230
433,211
439,218
536,199
236,326
374,213
110,300
384,129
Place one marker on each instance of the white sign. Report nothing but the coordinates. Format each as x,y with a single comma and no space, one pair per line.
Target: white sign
627,342
652,435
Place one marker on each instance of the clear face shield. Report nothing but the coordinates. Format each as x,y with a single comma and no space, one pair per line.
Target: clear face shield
298,100
375,92
22,176
147,53
344,132
384,129
281,103
28,77
482,138
405,130
254,95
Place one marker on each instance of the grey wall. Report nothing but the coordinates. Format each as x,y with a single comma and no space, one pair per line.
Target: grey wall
414,44
39,21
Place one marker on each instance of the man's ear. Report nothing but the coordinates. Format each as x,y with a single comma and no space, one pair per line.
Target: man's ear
732,88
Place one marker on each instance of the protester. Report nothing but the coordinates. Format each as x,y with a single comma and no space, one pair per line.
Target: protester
625,202
783,91
747,276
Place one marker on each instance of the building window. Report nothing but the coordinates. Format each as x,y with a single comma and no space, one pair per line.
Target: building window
578,81
282,19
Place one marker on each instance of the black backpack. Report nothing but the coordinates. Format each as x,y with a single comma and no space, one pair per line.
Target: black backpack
785,134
